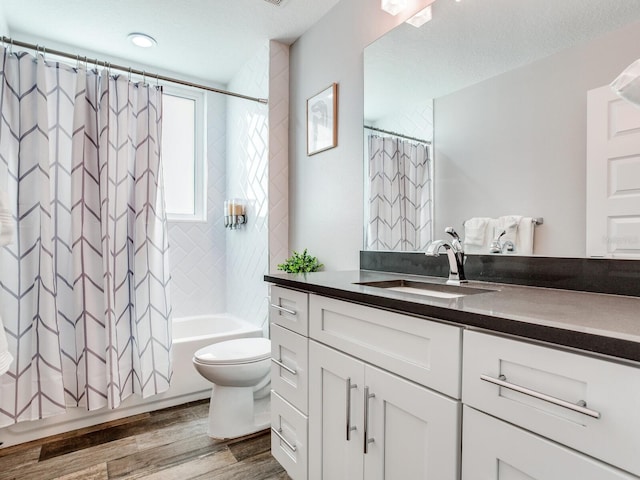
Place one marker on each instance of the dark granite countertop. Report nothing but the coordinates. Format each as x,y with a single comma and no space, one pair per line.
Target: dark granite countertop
598,323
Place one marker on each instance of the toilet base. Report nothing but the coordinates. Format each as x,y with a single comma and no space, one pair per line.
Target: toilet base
233,412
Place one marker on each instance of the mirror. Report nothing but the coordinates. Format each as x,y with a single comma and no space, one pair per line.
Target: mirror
500,88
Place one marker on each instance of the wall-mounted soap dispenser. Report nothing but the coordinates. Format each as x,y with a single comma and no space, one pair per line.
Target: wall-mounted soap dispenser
234,213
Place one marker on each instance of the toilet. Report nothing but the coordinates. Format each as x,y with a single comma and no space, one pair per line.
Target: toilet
239,370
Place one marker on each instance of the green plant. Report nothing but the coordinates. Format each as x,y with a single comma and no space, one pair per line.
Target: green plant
300,263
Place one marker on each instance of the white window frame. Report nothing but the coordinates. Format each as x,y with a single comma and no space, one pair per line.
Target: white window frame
200,154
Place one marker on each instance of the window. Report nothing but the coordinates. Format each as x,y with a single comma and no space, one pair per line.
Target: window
183,154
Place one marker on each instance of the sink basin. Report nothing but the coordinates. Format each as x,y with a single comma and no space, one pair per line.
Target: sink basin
426,289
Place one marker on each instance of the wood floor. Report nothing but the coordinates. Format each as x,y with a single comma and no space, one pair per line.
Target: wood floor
169,444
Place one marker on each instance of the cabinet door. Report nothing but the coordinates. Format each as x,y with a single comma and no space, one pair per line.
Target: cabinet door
494,450
289,437
415,431
333,408
289,366
290,309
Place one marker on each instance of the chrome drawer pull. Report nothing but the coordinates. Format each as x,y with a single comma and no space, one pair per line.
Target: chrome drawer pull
580,407
367,440
278,434
282,365
285,310
350,428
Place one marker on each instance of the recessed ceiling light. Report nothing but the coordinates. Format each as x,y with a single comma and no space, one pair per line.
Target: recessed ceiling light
142,40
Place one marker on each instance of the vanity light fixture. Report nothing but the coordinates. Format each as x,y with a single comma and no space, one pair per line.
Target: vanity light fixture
420,18
393,7
142,40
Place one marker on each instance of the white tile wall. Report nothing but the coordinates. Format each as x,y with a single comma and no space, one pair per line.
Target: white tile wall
414,122
247,178
214,269
197,250
278,154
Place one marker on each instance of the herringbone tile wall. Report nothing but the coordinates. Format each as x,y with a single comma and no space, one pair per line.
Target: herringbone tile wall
278,154
416,121
197,249
247,178
216,270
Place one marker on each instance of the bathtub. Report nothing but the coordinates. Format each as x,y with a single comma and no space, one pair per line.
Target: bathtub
193,333
189,334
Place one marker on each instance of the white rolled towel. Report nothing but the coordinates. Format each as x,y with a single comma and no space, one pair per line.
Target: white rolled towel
475,235
526,229
510,224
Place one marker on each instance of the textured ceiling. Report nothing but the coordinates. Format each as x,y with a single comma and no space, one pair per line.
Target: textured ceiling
473,40
204,39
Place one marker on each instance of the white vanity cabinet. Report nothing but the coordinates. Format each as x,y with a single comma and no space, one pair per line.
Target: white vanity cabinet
289,382
361,393
368,423
590,405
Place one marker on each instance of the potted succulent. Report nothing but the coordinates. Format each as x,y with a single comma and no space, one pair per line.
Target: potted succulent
300,263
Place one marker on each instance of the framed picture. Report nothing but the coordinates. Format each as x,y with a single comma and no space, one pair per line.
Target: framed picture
322,120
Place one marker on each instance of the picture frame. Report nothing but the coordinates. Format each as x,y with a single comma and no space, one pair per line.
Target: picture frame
322,120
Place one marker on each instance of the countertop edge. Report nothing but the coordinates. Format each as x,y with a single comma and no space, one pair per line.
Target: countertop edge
616,348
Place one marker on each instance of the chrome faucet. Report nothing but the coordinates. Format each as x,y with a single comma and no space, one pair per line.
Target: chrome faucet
497,247
455,254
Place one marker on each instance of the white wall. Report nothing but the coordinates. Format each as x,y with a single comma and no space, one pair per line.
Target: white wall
524,148
325,190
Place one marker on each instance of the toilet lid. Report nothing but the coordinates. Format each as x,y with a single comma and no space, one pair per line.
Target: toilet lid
240,350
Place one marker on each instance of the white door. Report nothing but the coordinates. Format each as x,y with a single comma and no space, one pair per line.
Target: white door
495,450
613,176
336,383
414,432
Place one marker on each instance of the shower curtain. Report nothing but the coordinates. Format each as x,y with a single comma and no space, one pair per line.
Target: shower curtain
399,195
84,286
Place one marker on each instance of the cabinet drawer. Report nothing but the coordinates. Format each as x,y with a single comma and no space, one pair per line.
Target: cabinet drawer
291,380
421,350
289,308
492,449
289,437
608,390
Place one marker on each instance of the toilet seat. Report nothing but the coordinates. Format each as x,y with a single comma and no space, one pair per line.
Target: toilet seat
233,352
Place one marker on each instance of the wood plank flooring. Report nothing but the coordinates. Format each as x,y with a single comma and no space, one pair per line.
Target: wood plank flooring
170,444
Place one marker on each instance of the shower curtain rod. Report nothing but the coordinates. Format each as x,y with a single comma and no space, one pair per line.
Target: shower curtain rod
44,51
375,129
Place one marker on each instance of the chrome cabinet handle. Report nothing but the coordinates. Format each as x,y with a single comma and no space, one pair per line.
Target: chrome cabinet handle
282,365
285,310
278,434
350,428
580,407
367,440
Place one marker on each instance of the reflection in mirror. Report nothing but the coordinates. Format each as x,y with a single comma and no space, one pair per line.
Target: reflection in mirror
506,92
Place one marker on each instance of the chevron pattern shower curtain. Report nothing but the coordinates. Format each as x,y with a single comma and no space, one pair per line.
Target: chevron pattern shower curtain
84,286
399,195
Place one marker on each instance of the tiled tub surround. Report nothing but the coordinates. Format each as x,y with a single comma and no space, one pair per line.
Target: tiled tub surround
599,323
